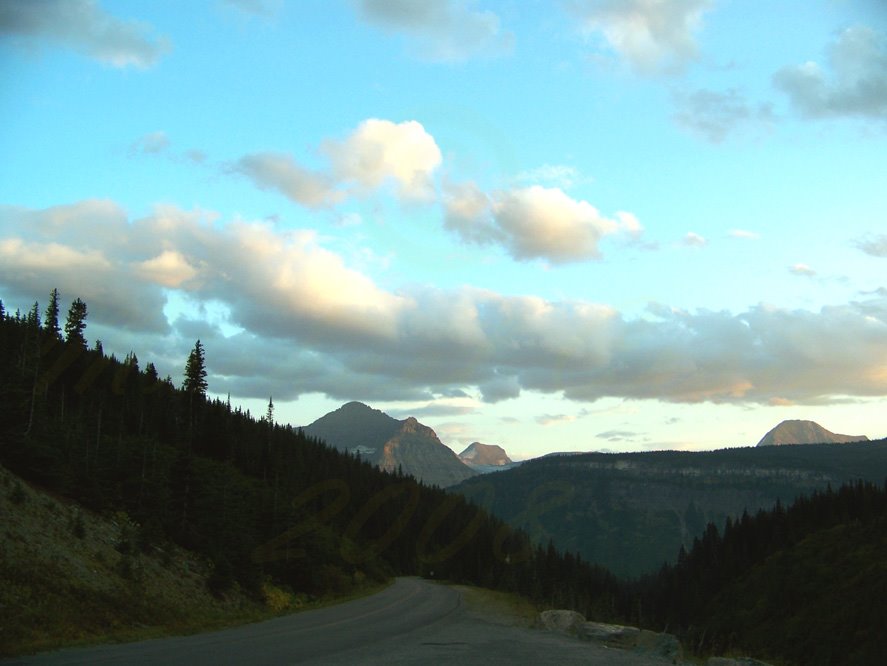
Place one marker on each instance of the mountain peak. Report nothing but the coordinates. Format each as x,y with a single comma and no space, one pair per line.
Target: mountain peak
795,431
484,454
390,444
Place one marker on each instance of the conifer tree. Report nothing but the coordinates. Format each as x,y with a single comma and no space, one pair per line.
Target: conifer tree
76,323
34,316
269,415
195,372
151,373
52,315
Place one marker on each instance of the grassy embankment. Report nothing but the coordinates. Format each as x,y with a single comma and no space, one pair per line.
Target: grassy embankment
71,577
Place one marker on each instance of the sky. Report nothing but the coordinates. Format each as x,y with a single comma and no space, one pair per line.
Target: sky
569,225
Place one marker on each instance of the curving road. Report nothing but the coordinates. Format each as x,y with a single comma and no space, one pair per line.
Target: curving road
411,622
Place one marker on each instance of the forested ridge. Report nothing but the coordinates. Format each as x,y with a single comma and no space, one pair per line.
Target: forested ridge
261,501
630,512
800,585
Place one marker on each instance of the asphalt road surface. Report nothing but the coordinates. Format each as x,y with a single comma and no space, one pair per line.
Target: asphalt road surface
411,622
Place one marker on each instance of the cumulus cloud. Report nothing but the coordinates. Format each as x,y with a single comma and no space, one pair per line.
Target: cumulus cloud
442,31
378,153
876,246
298,319
653,36
84,27
715,115
533,222
854,83
381,151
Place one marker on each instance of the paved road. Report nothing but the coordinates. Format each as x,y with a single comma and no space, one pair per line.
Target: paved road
411,622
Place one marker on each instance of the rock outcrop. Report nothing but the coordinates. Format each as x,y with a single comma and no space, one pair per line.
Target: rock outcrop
485,458
660,646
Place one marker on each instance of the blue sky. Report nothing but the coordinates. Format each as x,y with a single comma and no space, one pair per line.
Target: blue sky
576,225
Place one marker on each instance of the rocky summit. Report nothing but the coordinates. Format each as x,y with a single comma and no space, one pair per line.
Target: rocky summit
805,432
486,457
391,444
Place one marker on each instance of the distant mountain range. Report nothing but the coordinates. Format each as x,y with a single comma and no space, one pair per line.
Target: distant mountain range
391,444
805,432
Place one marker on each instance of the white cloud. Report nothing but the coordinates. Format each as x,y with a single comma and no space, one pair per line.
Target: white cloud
441,31
84,27
168,268
653,36
856,85
381,151
297,319
744,234
533,222
376,154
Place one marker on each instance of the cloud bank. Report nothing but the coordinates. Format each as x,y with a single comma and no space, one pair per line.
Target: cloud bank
293,318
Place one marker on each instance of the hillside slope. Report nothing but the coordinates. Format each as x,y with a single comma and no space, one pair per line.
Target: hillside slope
69,575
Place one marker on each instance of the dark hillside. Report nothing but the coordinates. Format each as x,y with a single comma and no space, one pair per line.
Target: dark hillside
801,585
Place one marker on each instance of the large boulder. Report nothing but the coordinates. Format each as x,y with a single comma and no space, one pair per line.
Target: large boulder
561,621
665,646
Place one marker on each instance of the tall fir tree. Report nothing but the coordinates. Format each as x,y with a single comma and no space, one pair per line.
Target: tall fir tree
76,323
51,323
195,372
34,316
